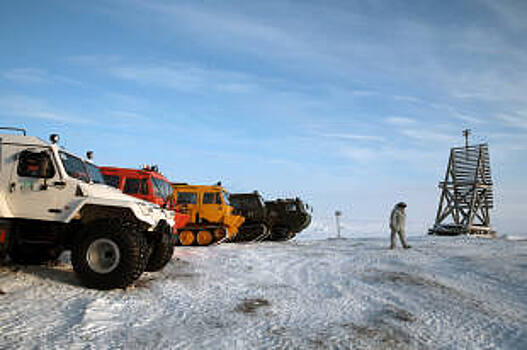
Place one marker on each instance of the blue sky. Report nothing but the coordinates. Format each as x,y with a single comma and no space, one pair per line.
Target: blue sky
352,105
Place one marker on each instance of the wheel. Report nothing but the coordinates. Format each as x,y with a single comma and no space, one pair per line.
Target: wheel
161,254
204,237
219,233
108,255
161,250
32,254
186,237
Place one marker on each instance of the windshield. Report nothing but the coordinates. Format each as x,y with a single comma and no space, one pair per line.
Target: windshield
95,174
78,169
162,188
187,198
112,180
74,167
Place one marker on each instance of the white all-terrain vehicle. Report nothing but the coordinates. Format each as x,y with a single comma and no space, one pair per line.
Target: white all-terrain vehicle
51,201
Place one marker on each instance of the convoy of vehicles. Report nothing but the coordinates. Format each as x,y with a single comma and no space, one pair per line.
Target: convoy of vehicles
118,222
211,216
53,200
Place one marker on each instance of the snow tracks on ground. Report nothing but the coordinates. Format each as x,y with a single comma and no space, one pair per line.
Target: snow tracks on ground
443,293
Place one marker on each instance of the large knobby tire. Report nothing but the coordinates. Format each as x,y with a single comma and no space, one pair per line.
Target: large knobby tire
161,250
109,254
160,256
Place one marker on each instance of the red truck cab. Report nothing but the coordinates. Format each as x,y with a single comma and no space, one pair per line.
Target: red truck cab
147,184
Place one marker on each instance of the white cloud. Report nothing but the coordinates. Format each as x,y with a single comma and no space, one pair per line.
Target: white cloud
429,136
36,76
26,76
94,60
469,118
511,16
412,99
355,137
519,120
29,107
400,121
187,77
359,154
127,115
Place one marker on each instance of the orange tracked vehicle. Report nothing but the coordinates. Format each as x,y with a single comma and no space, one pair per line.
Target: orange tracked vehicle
211,216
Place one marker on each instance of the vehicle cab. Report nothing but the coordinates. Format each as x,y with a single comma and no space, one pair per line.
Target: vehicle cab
147,184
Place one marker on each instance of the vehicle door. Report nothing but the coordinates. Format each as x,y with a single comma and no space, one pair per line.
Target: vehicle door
211,206
187,202
32,192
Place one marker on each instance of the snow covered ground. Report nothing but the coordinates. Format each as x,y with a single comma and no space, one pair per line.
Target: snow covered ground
443,293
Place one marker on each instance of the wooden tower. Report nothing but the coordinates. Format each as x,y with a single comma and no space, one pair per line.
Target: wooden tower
466,193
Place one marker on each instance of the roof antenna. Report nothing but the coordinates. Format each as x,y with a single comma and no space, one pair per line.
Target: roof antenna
466,134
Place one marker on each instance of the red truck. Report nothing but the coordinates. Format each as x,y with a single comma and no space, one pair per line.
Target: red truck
148,184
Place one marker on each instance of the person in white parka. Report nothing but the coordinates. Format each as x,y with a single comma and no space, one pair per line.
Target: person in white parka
398,225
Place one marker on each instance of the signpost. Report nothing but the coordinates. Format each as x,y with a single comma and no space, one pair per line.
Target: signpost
338,213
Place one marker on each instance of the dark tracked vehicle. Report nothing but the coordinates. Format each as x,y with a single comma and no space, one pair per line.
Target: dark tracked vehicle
276,220
289,216
257,224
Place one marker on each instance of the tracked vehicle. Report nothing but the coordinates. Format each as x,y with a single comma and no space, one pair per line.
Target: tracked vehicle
257,225
276,220
290,216
52,200
211,217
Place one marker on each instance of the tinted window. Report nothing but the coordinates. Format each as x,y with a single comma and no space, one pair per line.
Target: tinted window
161,188
245,202
211,198
95,174
187,198
112,180
35,164
74,167
135,186
290,207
